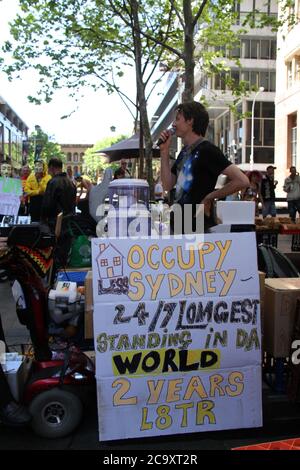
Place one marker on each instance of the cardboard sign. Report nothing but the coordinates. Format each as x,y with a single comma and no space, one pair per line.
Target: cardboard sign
10,186
220,266
9,205
177,334
173,404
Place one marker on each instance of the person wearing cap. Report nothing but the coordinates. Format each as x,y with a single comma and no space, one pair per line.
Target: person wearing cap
292,188
268,186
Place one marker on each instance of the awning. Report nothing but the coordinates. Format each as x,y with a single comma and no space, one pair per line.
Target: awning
127,148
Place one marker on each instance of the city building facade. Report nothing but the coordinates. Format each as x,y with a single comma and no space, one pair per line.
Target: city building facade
13,132
287,131
74,156
231,131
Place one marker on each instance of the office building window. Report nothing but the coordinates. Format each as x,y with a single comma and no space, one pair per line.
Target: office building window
1,137
264,125
7,142
254,79
289,68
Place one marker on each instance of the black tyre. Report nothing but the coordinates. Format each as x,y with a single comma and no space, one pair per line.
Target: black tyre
55,413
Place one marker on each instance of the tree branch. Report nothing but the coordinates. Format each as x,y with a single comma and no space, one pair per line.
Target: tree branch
199,12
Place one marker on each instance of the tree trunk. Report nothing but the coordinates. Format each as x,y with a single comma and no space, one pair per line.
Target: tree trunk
144,122
189,47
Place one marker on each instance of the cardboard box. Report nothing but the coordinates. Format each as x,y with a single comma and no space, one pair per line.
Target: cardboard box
89,306
17,373
236,212
262,277
279,314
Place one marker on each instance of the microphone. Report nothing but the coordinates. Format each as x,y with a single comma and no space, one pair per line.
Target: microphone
171,131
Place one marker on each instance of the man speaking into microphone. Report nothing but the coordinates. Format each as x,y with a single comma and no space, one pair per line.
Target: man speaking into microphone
196,169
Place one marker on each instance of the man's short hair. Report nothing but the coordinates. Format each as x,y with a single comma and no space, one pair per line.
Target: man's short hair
197,112
55,163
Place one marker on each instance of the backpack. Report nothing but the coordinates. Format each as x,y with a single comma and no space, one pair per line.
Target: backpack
274,263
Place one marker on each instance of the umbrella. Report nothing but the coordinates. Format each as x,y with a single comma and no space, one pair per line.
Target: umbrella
127,148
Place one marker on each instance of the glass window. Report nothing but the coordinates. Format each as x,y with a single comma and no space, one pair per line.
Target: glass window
265,49
268,109
246,48
235,51
254,48
75,157
264,80
264,155
69,157
254,79
294,146
7,140
273,51
297,68
289,74
257,132
268,132
14,154
235,75
272,81
1,137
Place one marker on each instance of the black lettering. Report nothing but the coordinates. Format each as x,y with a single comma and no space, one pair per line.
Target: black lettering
246,314
221,317
235,309
120,309
154,355
126,366
169,365
141,314
183,358
204,313
179,325
208,359
191,313
255,304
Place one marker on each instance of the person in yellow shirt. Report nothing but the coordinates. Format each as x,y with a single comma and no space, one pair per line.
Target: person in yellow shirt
35,188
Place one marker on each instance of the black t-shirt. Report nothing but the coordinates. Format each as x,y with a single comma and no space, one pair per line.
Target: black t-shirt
60,196
198,175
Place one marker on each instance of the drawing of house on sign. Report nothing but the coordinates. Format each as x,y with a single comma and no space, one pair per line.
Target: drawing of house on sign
109,262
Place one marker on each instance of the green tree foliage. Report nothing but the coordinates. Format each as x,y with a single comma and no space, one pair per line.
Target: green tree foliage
42,148
93,162
71,43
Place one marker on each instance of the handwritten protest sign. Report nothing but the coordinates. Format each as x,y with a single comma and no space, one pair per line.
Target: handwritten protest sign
177,335
10,190
10,186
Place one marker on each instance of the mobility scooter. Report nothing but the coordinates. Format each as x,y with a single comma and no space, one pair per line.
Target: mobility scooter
57,384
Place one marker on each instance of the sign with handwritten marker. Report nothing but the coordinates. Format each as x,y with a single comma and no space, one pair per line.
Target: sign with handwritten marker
177,335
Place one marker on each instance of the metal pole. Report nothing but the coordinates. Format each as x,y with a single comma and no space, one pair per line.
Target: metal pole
252,129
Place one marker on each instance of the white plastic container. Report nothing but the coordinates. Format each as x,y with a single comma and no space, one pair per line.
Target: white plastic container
126,192
128,214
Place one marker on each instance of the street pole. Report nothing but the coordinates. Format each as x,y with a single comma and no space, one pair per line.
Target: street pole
252,128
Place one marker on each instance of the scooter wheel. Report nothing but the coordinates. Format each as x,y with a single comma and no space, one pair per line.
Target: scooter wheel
55,413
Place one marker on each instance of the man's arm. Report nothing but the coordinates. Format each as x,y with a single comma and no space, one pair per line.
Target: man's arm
167,178
237,181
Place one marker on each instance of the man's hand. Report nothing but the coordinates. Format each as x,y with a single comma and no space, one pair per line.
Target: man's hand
207,206
207,202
